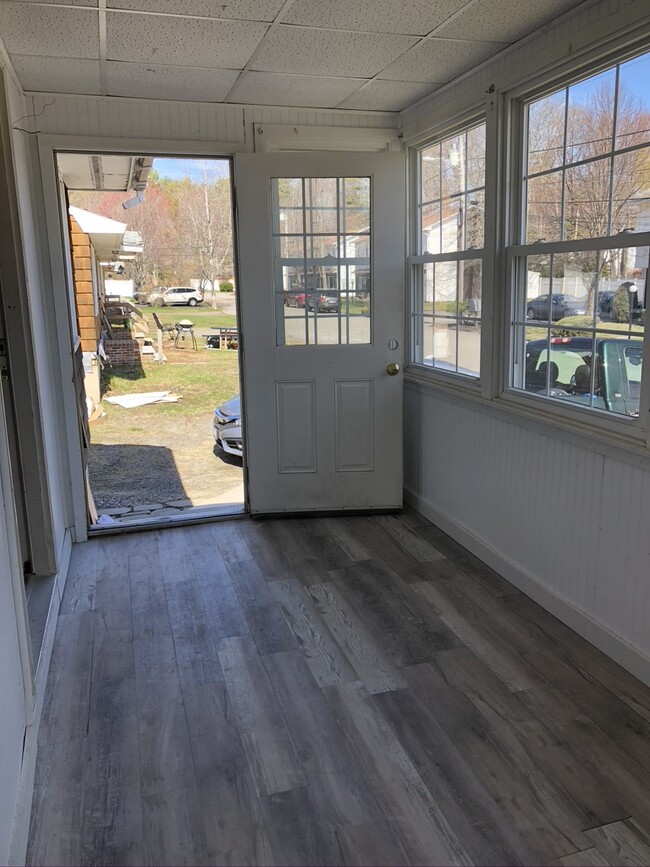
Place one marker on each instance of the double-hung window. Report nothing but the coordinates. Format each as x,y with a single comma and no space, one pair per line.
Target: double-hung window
447,256
579,267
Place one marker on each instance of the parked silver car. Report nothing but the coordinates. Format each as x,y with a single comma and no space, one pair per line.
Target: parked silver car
166,297
226,425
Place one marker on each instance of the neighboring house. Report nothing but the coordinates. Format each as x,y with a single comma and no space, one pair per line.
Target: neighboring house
97,246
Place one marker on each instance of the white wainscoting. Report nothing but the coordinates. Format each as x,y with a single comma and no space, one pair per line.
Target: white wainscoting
566,524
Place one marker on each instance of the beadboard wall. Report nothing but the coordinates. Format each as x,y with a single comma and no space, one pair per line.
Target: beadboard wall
564,522
116,117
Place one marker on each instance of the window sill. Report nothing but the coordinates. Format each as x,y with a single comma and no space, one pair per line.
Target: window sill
453,382
626,445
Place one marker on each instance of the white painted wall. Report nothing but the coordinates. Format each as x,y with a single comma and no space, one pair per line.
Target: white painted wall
565,522
12,686
19,707
27,175
565,518
155,119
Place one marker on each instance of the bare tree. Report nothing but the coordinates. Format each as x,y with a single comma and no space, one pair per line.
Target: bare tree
596,195
205,213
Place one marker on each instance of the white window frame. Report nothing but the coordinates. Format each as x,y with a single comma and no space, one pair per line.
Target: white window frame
565,414
416,260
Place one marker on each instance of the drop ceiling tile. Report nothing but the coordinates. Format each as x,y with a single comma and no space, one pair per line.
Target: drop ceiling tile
387,95
246,10
182,41
439,60
312,91
49,31
374,16
304,50
57,74
153,81
504,20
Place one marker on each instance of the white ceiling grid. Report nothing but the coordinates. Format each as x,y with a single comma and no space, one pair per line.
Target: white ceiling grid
366,55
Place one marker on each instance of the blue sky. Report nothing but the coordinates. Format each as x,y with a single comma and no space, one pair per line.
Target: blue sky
175,169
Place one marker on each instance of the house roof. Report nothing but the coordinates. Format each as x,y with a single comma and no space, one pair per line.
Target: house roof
108,237
372,55
83,171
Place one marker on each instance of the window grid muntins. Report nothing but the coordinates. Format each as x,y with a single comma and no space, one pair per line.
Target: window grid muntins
447,278
593,183
581,272
322,250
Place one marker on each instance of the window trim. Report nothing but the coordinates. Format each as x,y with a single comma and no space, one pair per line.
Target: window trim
633,431
474,116
619,437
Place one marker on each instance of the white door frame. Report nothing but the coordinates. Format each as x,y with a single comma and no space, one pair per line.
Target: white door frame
48,147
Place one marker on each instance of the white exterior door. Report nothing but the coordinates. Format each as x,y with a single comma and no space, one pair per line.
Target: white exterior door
321,281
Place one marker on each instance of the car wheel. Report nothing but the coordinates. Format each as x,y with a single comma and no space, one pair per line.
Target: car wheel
159,302
530,313
566,313
192,302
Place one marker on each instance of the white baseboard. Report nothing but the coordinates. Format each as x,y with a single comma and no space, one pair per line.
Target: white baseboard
20,835
627,656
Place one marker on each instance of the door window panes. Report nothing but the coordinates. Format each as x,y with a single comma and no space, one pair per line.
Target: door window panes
322,261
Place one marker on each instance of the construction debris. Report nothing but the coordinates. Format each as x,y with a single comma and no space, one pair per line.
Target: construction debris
129,401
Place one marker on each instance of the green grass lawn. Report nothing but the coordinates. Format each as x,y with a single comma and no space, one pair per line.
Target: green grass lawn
203,379
202,317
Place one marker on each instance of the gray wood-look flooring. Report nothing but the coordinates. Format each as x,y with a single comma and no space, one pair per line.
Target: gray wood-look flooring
328,691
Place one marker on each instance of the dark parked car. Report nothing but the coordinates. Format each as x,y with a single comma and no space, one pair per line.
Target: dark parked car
561,306
606,297
324,300
294,299
565,367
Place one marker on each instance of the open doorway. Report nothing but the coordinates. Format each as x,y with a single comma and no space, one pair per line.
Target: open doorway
155,328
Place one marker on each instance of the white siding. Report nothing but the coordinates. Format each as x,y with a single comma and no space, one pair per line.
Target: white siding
561,516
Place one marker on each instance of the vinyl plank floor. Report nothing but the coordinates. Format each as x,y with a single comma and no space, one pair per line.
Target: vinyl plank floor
372,592
274,765
427,834
67,694
264,616
58,805
79,593
622,842
374,668
327,662
336,781
173,831
345,691
298,833
230,807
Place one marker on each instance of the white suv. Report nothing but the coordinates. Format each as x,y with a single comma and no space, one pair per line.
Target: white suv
162,297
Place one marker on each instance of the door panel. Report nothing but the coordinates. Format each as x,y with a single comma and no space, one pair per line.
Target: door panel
321,282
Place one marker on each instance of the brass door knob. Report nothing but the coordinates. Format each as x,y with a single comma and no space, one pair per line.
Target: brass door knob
392,369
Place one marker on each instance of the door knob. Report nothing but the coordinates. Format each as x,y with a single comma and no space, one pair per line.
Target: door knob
392,369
